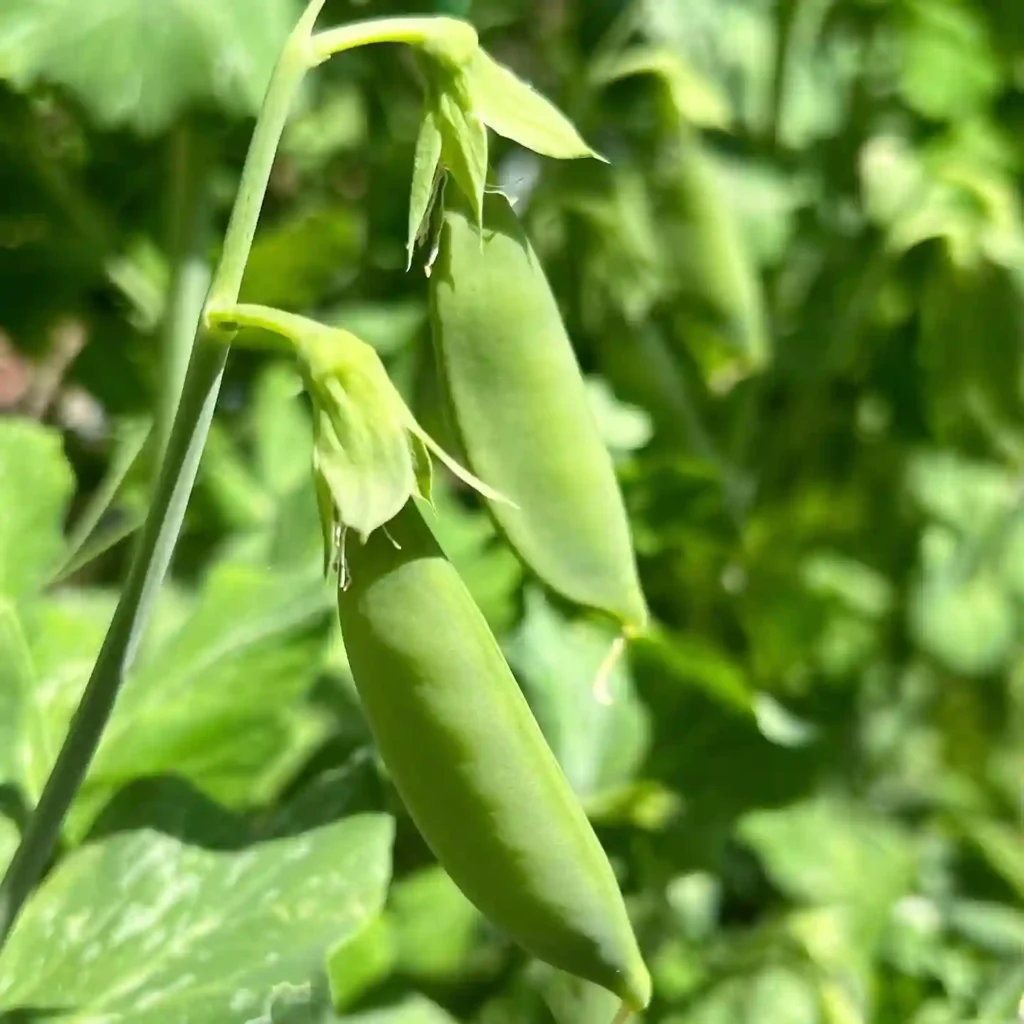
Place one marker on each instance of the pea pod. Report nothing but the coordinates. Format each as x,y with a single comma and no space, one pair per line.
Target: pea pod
471,764
520,407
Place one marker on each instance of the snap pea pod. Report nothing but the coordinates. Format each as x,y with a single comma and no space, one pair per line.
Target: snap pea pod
521,410
471,764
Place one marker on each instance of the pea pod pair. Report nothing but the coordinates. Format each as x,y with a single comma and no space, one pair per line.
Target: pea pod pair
471,764
519,403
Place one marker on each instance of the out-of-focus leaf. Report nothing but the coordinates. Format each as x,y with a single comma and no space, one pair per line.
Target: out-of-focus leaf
434,928
941,34
142,928
624,428
35,486
388,326
693,97
294,264
775,994
824,852
490,570
968,623
1001,845
140,65
600,738
413,1009
360,962
281,430
990,926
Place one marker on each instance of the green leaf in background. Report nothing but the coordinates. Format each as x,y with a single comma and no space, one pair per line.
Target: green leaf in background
214,695
693,98
140,928
139,65
776,994
413,1009
35,486
600,739
218,702
434,928
941,34
825,853
966,622
360,962
294,263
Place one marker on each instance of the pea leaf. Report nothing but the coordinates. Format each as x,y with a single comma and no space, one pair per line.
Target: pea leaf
599,740
143,928
213,696
35,486
139,65
510,107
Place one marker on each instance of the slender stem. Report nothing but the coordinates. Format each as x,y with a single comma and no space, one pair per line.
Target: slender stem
163,523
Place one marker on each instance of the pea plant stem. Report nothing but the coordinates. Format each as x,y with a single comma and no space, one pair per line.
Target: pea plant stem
177,476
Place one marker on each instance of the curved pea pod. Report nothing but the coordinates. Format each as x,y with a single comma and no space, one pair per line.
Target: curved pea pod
521,411
725,319
471,764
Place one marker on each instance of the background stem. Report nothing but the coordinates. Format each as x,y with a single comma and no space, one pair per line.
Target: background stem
188,233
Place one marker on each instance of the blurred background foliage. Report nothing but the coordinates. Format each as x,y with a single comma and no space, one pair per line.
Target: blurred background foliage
798,293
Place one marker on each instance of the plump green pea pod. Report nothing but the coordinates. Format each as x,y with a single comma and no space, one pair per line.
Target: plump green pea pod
471,764
521,410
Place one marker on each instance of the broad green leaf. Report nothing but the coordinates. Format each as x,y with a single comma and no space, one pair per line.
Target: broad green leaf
827,853
213,696
217,702
46,656
35,486
140,65
597,728
141,928
425,167
510,107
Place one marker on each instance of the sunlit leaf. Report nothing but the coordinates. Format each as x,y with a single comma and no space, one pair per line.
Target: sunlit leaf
141,928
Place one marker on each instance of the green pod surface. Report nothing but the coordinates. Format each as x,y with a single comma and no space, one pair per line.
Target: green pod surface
715,271
520,408
471,764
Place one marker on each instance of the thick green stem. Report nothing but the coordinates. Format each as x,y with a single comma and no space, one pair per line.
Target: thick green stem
177,476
